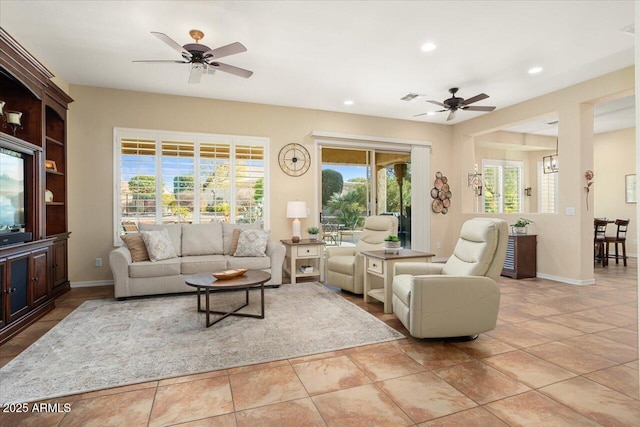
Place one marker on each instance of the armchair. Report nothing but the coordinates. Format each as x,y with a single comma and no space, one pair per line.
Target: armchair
458,299
345,265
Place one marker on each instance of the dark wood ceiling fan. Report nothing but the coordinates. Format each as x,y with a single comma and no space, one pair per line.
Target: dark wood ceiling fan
201,57
453,104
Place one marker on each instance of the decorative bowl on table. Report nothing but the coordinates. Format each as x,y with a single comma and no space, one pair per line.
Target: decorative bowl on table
229,274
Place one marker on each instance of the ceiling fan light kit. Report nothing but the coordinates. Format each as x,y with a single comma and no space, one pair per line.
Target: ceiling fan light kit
453,104
201,57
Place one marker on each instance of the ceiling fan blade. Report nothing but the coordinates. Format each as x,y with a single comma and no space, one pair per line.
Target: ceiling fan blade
168,61
479,108
196,73
236,71
418,115
437,103
221,52
476,98
172,43
452,115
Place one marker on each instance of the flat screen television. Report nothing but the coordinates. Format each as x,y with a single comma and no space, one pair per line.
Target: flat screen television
12,187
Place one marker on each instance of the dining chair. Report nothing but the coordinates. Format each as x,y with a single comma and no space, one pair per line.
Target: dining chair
599,241
619,239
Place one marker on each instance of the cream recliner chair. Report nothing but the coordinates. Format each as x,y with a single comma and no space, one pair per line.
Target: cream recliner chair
458,299
345,265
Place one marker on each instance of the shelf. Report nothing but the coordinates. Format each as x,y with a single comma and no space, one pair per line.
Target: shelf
52,172
377,294
301,274
55,203
55,141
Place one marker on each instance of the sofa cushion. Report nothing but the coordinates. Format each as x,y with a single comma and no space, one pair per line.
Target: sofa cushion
255,263
167,267
203,264
136,246
202,239
234,241
159,245
342,264
227,234
252,243
175,233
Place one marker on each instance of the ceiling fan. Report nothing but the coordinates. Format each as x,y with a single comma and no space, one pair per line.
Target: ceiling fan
453,104
201,57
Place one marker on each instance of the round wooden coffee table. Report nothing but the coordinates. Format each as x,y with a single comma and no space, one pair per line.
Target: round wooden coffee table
206,282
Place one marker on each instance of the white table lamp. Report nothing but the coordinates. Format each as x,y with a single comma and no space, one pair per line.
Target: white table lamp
296,210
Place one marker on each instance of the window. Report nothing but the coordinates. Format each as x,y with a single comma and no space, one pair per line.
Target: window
502,186
547,191
169,177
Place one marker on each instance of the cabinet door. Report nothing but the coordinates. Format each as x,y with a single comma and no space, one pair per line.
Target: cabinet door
59,263
39,265
18,286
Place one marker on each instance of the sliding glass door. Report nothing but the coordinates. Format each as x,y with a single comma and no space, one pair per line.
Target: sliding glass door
357,183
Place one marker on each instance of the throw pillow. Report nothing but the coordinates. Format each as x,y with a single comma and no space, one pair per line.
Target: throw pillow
136,246
252,243
234,240
159,245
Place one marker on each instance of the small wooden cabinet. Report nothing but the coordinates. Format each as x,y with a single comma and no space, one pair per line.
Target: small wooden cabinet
521,260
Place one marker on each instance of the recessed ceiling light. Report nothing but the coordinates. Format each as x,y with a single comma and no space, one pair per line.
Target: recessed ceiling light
428,47
348,102
431,113
535,70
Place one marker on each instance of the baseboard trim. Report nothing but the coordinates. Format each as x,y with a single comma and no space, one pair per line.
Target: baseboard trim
92,283
566,279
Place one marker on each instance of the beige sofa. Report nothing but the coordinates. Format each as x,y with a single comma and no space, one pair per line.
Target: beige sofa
200,248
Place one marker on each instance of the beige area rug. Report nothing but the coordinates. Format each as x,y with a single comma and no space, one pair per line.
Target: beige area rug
108,343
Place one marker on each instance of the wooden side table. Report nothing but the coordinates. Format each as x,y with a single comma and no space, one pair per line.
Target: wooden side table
380,264
520,261
304,252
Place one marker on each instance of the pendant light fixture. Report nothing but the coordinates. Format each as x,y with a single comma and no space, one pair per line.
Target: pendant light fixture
550,162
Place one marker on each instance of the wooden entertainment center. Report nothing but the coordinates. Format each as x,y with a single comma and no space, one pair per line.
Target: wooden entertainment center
33,273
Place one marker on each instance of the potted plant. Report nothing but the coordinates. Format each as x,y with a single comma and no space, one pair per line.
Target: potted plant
392,244
313,233
520,226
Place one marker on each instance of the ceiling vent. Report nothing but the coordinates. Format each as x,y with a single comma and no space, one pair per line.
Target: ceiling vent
409,97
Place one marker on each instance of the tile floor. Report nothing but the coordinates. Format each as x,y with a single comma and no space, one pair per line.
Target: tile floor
561,355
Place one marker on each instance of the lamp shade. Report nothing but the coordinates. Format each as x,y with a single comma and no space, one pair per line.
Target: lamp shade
296,209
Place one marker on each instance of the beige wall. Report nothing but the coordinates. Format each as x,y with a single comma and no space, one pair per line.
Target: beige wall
564,241
96,111
614,157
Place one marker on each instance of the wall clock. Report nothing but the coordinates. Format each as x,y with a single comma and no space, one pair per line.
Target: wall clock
294,159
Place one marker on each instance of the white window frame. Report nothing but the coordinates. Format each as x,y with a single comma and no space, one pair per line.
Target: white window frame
501,164
196,138
540,174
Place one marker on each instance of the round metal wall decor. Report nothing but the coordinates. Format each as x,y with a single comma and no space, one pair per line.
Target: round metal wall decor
294,159
441,194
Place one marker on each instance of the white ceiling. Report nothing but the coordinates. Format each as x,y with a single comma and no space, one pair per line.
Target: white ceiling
317,54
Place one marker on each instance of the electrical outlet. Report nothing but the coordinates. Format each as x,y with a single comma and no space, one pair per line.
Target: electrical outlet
438,245
98,262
